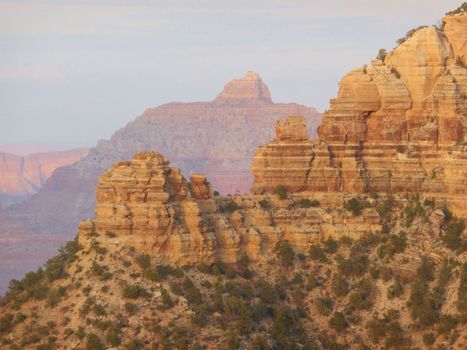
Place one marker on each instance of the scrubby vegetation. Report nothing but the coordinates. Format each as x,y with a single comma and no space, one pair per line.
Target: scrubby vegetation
353,292
409,34
356,206
281,192
461,9
382,53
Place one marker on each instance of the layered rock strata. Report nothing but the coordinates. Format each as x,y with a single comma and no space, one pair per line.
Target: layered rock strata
396,126
148,205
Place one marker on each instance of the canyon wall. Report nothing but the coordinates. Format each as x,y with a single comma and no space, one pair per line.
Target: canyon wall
398,125
24,175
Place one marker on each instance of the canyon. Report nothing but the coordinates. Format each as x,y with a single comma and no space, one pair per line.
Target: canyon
353,239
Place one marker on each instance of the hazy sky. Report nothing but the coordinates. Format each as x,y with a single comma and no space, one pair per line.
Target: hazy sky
72,72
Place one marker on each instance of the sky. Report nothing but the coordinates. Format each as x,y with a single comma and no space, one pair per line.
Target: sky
73,72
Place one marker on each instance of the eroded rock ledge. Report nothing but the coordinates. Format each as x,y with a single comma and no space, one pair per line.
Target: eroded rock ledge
148,205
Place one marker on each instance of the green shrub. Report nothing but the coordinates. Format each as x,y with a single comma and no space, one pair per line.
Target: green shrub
412,210
381,54
229,206
144,261
134,292
265,204
260,343
362,296
355,265
447,323
396,289
93,342
422,305
160,272
113,337
454,230
426,270
338,322
324,305
134,344
339,286
355,206
286,328
232,340
97,248
285,253
316,253
462,293
6,323
281,191
54,296
429,339
330,246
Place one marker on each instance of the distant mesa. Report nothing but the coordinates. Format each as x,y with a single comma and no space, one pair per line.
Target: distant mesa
22,176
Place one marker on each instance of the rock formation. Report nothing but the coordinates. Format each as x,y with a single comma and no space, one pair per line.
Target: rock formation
216,138
148,205
25,175
246,89
397,126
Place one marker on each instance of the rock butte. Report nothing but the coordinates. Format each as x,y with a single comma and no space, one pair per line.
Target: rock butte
395,127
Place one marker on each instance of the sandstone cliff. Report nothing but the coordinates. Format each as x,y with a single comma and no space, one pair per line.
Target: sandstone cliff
148,205
395,126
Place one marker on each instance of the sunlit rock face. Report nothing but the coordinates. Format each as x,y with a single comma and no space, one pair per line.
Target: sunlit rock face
146,204
397,126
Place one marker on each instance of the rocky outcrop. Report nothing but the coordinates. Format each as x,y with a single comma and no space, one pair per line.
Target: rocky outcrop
148,205
216,138
396,126
286,161
25,175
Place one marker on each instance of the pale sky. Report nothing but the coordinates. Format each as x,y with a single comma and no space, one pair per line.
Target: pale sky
73,72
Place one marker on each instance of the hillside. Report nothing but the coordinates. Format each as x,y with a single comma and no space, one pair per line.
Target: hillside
355,239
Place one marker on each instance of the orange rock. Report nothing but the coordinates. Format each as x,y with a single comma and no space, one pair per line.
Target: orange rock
398,126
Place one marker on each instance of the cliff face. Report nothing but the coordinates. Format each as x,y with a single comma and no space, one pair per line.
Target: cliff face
217,138
396,126
148,205
25,175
